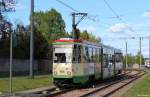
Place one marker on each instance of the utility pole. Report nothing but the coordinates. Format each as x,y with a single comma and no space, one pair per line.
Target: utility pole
140,53
8,6
75,33
73,25
126,55
10,67
32,39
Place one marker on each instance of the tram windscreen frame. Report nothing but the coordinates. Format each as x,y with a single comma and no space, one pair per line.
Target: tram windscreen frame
60,58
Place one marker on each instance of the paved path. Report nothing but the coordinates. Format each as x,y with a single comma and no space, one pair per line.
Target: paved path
37,90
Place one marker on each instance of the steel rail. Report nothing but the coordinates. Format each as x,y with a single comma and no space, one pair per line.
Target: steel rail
109,85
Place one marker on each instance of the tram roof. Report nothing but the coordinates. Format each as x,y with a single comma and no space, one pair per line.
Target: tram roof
71,40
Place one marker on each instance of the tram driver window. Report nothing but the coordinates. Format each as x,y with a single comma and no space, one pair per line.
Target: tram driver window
110,58
60,58
87,54
77,54
118,57
74,54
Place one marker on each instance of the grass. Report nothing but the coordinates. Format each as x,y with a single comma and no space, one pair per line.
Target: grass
141,89
25,83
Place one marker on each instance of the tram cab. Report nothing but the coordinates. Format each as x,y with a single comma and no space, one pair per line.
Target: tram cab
70,63
62,58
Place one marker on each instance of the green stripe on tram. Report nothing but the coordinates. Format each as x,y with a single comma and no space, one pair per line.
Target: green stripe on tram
61,76
81,79
76,79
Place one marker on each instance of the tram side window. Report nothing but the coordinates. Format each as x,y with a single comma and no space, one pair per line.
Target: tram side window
74,54
110,59
87,54
84,55
118,57
105,59
94,55
97,55
90,55
100,55
77,54
60,58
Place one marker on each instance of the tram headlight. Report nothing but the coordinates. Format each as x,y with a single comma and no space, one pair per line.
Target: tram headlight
54,68
55,72
69,73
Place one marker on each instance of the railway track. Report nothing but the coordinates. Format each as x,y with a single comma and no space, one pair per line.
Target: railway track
105,89
111,88
61,92
101,89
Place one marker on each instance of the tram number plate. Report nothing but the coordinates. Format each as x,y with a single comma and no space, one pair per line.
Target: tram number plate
61,71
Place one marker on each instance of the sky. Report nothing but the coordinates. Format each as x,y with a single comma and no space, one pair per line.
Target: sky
134,14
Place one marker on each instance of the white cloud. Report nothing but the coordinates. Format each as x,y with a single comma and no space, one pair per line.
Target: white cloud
118,28
146,13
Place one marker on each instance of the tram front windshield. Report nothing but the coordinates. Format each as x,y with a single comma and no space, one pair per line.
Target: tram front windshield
62,55
60,58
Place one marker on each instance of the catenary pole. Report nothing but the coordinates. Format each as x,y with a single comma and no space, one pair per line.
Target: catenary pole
140,53
126,55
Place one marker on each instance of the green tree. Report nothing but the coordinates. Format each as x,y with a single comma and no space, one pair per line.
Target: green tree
138,56
50,24
84,35
41,46
133,59
21,42
5,29
89,37
130,58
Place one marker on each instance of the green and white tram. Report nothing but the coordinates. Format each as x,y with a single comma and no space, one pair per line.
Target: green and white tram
77,62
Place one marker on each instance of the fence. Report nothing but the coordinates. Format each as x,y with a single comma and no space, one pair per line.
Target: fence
23,66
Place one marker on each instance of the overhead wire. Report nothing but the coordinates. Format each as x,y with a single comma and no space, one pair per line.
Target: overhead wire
88,17
118,17
93,19
67,5
97,21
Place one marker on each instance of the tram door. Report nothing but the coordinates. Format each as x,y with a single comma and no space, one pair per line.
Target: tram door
105,62
108,66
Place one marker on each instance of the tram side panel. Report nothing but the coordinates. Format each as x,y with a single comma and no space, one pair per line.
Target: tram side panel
85,68
94,65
